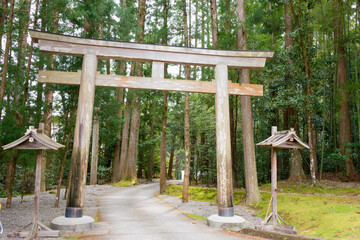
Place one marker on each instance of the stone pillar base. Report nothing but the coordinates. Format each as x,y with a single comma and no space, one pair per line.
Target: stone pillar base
217,221
65,224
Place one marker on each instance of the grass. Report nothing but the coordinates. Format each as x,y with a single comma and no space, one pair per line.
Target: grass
287,187
331,217
126,183
196,217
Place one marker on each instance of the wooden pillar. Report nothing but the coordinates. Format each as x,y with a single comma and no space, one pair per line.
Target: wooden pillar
274,179
223,143
94,152
80,153
37,185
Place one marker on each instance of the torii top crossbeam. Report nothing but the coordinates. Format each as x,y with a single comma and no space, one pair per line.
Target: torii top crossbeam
92,49
75,46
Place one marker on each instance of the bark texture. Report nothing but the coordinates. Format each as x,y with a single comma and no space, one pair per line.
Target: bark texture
341,78
94,152
7,52
214,25
131,160
163,148
151,150
125,137
185,194
116,164
251,181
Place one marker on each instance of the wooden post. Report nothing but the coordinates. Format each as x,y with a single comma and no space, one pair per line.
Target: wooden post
37,185
94,152
274,179
80,153
223,144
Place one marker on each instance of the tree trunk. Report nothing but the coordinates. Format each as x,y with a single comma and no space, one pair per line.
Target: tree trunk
341,77
4,7
151,150
10,178
141,163
47,118
124,142
308,96
63,162
94,152
214,25
185,194
251,181
6,54
27,77
290,113
24,17
296,171
171,160
163,148
130,166
187,116
116,164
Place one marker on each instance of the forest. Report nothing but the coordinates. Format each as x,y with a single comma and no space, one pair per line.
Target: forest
311,84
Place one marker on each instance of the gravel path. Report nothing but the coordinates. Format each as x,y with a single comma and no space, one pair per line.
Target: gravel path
206,209
21,214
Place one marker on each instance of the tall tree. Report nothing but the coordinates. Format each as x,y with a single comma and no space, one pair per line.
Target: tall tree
116,162
214,24
290,112
163,147
161,73
251,181
344,111
4,7
6,54
130,167
130,172
49,95
306,61
151,150
186,113
124,141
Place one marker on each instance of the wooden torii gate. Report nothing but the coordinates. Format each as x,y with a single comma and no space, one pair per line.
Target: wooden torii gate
91,50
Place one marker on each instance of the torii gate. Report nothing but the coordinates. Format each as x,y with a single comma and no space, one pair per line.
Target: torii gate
91,50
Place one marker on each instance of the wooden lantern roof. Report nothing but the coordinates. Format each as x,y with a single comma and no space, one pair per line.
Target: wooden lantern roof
33,140
284,139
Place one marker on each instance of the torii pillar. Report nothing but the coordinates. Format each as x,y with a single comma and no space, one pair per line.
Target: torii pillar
223,143
80,153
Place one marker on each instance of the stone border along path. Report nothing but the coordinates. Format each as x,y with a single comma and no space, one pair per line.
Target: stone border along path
136,213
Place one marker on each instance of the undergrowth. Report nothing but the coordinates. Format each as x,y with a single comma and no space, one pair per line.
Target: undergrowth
306,189
331,217
126,183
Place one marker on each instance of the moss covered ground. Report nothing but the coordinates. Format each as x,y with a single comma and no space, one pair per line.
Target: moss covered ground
332,213
126,183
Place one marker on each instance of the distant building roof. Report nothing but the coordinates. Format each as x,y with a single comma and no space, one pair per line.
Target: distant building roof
33,140
284,139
